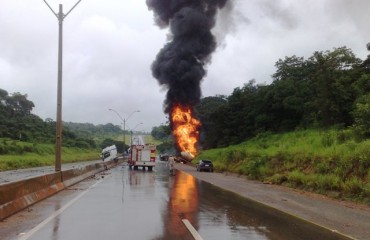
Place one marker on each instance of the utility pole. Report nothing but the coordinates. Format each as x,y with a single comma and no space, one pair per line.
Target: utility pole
58,142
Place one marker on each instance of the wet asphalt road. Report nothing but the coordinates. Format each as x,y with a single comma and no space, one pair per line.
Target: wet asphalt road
128,204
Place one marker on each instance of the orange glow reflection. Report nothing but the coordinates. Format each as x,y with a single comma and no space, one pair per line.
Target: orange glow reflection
183,204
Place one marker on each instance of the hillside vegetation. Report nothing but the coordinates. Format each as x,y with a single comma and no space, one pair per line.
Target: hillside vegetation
330,162
16,154
26,140
25,155
328,89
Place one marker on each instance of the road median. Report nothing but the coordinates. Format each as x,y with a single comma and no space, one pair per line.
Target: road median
18,195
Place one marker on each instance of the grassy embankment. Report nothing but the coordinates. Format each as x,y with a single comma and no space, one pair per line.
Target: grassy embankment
15,154
150,139
328,162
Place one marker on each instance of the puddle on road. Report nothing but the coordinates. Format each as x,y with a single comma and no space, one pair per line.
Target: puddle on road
225,215
220,214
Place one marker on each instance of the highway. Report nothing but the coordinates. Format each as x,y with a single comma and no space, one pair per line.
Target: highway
138,140
127,204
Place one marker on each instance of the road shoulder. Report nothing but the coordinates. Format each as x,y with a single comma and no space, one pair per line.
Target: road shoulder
348,218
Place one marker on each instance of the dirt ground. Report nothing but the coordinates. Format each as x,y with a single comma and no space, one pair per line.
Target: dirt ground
347,218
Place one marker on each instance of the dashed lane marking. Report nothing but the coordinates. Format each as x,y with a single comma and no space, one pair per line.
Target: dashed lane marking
192,230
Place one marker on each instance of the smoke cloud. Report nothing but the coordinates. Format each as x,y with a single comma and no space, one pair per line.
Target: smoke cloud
179,66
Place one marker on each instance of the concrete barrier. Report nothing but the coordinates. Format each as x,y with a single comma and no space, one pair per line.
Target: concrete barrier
18,195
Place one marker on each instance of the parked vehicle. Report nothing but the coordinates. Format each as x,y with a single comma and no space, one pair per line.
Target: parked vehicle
109,153
204,165
142,156
164,157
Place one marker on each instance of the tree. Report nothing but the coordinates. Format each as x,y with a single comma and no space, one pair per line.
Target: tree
3,96
361,114
290,92
206,110
19,104
333,76
109,142
161,132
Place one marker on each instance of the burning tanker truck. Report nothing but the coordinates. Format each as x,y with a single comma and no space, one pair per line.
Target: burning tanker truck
185,129
187,156
179,65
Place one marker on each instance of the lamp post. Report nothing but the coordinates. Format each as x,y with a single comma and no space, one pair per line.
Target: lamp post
124,124
58,143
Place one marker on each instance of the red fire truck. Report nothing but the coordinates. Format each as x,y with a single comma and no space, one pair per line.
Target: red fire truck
142,156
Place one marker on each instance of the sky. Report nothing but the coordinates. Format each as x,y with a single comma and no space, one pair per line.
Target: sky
109,46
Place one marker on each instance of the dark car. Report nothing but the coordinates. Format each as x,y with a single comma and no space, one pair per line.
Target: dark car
164,157
204,165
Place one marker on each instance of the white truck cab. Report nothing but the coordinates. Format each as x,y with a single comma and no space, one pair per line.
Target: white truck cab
109,153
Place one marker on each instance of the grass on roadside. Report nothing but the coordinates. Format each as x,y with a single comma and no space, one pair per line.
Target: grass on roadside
16,154
330,162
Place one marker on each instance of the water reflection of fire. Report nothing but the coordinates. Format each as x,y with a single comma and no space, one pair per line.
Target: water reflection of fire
185,128
183,204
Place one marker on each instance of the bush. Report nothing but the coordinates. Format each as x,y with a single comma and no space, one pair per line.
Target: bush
277,178
256,167
344,136
327,182
3,149
328,140
297,178
81,144
353,186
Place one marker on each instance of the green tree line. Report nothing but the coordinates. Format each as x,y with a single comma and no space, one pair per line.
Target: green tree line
17,122
330,88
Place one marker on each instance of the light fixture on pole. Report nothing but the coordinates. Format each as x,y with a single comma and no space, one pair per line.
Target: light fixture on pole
124,124
58,143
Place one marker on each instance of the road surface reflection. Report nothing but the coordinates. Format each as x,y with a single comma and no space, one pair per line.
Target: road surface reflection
136,204
219,214
182,204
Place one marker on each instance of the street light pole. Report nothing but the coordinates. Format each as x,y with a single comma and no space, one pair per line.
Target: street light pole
124,124
58,142
123,149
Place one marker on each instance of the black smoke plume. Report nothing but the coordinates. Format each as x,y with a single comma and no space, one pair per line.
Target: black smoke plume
179,65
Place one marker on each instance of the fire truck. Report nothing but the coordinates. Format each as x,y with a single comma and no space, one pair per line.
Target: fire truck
142,156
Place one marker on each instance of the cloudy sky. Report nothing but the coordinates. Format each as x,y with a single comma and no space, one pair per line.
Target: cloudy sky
109,46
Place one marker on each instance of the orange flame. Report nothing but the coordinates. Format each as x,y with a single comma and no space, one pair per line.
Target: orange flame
185,128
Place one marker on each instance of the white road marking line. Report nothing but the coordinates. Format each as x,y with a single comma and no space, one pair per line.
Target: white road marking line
192,230
55,214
